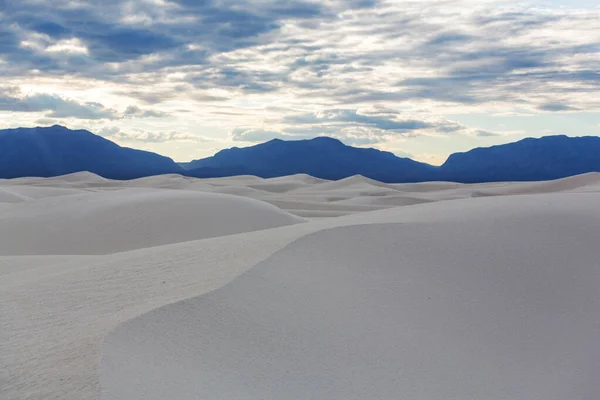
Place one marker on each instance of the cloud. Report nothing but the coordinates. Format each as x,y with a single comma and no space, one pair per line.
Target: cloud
555,107
109,131
46,122
485,133
157,96
397,123
517,20
136,112
230,62
11,99
54,105
360,127
248,134
116,32
247,81
115,133
354,136
344,52
374,123
450,39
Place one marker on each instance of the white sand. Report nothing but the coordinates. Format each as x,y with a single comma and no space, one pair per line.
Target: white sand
113,221
485,297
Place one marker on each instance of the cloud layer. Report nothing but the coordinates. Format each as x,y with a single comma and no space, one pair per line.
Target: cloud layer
366,71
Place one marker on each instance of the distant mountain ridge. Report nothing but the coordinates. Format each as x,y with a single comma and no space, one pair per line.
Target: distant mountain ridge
550,157
56,150
321,157
546,158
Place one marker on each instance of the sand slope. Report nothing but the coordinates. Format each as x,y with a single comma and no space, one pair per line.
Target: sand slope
113,221
490,295
469,307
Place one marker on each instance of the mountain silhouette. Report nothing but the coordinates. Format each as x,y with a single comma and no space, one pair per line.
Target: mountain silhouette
546,158
56,150
321,157
550,157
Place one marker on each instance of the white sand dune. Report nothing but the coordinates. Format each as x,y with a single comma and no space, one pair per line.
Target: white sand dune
205,295
298,178
235,180
79,179
278,187
390,201
356,181
9,196
292,203
574,183
28,193
113,221
245,191
171,181
313,214
425,186
470,306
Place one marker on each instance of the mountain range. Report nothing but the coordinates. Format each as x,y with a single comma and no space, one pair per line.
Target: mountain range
56,150
321,157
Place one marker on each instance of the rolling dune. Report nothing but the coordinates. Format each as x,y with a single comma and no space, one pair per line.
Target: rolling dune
164,287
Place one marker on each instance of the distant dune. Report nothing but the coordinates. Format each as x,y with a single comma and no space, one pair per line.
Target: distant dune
171,287
127,219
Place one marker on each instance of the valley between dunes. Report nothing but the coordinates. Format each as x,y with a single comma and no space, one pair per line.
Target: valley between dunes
171,287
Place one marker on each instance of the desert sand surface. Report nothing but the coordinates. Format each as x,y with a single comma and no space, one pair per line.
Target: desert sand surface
297,288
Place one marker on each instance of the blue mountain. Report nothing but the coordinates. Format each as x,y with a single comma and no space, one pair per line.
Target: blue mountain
322,157
56,150
546,158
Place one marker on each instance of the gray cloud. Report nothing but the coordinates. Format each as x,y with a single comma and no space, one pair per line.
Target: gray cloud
55,106
357,127
450,38
516,21
169,29
136,112
352,116
248,81
484,133
11,99
553,107
474,63
305,52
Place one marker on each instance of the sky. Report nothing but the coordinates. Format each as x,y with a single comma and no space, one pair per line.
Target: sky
186,78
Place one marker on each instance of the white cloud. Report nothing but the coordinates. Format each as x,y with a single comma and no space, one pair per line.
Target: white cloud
73,45
366,72
115,133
